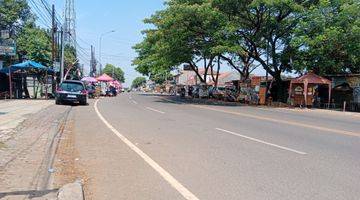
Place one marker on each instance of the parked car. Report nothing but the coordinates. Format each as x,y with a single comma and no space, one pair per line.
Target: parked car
71,91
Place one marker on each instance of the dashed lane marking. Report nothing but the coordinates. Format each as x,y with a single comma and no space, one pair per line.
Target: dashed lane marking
158,111
261,141
282,121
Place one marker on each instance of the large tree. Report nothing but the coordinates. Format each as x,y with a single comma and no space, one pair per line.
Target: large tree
329,38
185,32
14,14
35,43
116,72
265,29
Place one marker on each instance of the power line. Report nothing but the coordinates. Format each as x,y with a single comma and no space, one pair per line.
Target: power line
44,19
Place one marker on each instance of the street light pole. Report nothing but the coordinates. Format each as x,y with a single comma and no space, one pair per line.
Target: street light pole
100,41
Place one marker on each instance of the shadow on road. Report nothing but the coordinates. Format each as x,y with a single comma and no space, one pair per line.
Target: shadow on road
30,193
168,99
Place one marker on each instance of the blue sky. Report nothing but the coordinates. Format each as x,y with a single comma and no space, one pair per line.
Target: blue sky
126,17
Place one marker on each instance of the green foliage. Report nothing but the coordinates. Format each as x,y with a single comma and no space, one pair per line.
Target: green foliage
138,82
185,32
118,72
14,14
69,56
331,43
35,43
279,35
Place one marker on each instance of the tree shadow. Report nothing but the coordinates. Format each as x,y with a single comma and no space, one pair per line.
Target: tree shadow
197,101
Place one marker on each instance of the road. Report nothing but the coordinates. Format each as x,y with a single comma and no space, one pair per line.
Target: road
138,146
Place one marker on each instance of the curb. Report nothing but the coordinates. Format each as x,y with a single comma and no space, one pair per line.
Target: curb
72,191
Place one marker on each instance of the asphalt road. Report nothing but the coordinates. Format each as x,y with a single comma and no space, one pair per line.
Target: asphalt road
139,146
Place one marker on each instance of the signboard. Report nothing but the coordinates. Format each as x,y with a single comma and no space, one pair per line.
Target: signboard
57,66
7,47
5,34
299,90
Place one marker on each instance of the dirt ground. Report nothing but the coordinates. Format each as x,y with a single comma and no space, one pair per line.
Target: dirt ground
67,165
37,155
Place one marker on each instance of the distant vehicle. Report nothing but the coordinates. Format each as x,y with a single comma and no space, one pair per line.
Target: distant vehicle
71,92
91,91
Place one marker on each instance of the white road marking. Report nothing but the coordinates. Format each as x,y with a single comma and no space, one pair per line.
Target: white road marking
163,173
263,142
158,111
134,102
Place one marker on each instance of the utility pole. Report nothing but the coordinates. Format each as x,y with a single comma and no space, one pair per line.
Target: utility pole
53,46
62,55
92,62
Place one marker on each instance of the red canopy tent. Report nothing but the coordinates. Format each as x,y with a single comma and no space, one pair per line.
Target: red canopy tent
104,78
310,78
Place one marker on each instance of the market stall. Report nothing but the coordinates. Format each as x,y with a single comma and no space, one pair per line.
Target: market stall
18,74
305,89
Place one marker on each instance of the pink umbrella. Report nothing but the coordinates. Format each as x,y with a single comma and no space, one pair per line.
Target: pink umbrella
104,78
89,79
116,84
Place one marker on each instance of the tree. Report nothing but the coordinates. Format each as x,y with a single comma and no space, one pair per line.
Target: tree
266,29
329,38
138,82
185,32
14,14
35,43
118,72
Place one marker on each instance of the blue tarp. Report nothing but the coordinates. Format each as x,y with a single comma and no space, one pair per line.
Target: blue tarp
28,65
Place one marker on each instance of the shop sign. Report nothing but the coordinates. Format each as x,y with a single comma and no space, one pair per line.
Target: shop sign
299,90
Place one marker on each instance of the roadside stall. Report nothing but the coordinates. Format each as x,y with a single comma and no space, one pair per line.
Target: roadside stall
305,90
18,82
104,81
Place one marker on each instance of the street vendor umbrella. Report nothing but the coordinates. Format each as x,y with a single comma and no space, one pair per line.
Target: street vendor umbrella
116,84
104,78
27,66
89,79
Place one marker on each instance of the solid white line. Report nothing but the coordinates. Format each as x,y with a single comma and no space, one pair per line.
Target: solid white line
158,111
163,173
261,141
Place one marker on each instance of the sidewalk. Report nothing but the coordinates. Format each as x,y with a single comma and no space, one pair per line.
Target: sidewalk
29,131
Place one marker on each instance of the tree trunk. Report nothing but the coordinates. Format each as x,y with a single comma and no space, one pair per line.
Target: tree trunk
281,90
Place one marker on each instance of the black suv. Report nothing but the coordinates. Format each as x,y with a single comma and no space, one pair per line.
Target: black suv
71,92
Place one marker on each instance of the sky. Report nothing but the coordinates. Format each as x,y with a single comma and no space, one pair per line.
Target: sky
124,16
96,17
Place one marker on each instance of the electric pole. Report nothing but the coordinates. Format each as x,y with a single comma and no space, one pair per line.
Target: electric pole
53,47
62,55
93,62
